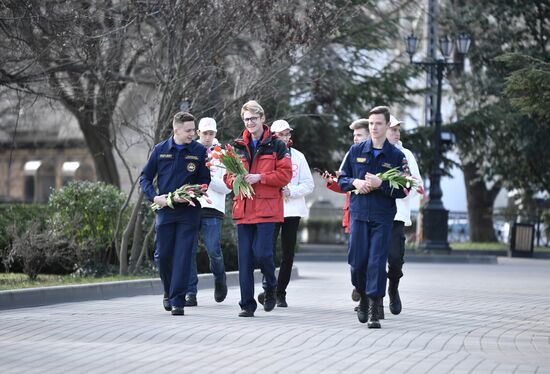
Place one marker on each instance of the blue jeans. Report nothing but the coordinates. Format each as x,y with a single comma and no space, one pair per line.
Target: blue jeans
211,228
255,248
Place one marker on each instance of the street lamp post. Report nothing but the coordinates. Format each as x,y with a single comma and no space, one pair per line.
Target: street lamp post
435,215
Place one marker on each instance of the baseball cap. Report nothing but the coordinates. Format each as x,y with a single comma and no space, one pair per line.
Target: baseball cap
207,124
361,123
280,125
394,121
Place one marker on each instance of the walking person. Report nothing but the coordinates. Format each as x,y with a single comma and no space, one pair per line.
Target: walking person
211,219
372,209
174,162
267,160
294,208
402,218
360,129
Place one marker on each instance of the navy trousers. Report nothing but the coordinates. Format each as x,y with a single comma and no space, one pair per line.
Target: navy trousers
367,256
255,248
174,244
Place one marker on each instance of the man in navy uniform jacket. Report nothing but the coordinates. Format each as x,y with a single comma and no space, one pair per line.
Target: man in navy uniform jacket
176,161
372,209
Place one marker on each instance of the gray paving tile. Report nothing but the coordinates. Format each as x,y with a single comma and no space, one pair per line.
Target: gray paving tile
457,318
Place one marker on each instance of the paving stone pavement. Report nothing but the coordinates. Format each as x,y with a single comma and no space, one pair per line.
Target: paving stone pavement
457,318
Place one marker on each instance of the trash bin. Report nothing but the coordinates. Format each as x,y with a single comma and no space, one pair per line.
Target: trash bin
522,240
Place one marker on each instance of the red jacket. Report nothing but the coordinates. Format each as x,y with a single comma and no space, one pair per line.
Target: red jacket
272,161
333,186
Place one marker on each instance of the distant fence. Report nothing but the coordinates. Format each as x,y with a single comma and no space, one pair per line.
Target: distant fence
324,225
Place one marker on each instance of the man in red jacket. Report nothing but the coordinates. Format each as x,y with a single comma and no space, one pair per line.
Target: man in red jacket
270,169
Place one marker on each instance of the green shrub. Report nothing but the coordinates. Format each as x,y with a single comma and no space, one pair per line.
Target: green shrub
36,249
85,213
14,219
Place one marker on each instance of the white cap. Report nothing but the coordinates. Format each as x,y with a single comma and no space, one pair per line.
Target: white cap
280,125
207,124
394,121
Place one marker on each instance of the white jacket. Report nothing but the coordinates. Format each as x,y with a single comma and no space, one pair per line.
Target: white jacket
217,188
300,185
403,205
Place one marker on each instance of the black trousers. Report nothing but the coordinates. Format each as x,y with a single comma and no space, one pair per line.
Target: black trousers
396,252
289,232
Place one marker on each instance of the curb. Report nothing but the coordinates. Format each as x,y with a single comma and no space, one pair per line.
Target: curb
439,259
31,297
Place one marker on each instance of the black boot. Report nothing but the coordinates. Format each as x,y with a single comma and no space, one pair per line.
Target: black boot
363,308
270,300
373,322
261,297
355,296
393,293
220,291
166,302
281,301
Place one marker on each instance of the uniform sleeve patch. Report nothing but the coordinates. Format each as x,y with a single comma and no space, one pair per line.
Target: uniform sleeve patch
361,160
191,167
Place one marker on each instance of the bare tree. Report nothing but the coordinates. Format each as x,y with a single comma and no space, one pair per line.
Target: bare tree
212,56
80,53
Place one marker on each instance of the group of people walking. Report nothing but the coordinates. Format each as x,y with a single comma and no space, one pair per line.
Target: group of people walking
281,178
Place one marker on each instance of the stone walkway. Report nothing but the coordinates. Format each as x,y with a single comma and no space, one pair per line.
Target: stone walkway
457,318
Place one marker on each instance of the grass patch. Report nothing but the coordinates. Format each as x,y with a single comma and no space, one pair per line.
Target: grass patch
11,281
492,246
473,246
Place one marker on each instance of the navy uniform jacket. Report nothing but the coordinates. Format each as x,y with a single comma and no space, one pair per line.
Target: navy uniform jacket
173,169
378,205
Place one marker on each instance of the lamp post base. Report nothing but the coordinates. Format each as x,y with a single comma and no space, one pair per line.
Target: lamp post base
436,227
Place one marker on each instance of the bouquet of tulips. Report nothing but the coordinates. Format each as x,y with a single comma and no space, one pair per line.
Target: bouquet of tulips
397,179
187,192
227,159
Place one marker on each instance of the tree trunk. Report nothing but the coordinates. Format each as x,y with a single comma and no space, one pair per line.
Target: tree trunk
130,228
144,248
137,243
99,143
480,205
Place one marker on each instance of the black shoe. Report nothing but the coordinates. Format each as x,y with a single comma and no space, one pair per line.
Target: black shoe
281,301
177,311
261,297
395,300
381,309
372,321
355,296
270,300
246,313
363,308
191,300
166,302
220,291
356,308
